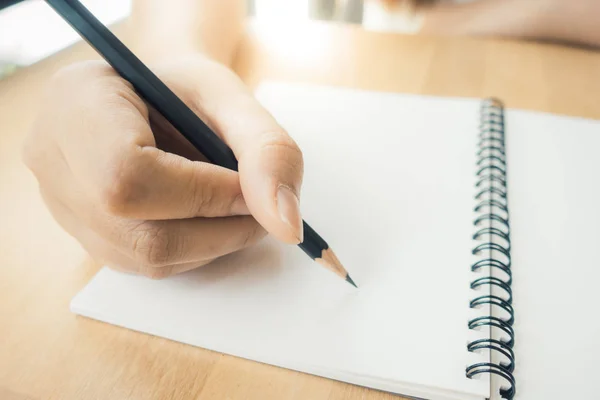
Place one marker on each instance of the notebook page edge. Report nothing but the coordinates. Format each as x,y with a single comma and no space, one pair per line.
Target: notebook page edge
79,307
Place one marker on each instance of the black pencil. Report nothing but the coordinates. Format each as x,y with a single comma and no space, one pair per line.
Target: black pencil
155,92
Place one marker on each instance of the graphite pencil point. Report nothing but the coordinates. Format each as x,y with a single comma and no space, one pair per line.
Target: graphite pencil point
350,281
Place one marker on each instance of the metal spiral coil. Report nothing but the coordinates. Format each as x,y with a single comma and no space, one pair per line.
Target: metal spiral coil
493,231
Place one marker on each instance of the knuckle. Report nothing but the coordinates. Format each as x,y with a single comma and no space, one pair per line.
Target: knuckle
204,198
119,93
66,73
157,273
282,148
99,81
116,195
153,245
280,141
121,188
80,71
252,235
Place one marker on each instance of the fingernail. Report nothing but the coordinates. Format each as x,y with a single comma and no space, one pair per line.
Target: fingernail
289,211
239,207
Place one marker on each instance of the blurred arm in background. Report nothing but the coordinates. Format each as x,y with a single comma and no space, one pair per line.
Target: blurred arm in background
214,27
570,21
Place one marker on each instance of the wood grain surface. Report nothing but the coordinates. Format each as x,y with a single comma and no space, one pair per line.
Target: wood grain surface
48,353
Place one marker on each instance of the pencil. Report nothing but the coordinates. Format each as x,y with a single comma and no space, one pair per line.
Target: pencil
155,92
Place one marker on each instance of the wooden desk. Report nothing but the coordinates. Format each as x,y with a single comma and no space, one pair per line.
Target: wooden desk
48,353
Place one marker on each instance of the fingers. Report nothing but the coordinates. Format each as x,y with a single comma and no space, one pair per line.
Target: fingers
162,243
156,249
112,155
151,184
136,245
270,162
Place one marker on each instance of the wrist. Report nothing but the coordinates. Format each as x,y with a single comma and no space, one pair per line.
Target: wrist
160,29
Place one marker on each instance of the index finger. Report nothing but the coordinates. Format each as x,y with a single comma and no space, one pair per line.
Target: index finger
270,163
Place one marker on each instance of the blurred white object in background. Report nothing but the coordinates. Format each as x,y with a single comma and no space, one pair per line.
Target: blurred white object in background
294,10
31,30
401,16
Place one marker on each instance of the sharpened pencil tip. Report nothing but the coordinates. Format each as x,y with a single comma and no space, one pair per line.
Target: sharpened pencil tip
329,260
350,281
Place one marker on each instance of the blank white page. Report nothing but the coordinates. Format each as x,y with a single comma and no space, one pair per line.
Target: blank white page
554,196
389,183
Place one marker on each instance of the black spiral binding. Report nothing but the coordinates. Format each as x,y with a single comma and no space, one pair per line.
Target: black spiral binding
493,231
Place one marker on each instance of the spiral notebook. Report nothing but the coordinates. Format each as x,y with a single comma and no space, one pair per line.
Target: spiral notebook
470,229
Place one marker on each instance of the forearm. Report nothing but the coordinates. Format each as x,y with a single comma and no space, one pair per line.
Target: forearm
169,28
575,21
559,20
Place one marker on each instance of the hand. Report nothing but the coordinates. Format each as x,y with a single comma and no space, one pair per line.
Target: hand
133,191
